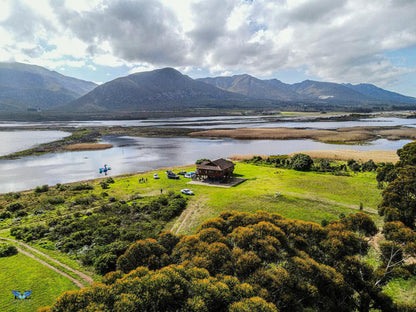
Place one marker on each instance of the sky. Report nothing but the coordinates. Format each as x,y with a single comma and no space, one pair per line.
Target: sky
343,41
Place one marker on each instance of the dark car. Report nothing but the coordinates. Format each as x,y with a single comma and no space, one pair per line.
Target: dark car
182,172
172,175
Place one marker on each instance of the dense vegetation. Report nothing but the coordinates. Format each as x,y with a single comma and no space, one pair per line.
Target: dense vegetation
303,162
95,229
7,250
244,262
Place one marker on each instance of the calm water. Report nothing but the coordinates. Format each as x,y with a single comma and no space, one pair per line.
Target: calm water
131,154
14,141
224,122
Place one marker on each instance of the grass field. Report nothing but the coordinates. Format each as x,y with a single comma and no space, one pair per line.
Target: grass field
307,196
22,273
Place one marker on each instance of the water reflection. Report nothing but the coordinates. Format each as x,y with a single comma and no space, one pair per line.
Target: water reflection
14,141
223,122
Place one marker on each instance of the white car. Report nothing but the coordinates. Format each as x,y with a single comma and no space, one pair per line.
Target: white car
189,175
155,176
187,192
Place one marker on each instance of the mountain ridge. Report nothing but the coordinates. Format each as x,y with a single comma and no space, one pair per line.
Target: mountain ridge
308,90
24,86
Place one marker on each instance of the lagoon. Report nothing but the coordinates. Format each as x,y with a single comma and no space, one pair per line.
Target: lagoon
14,141
139,154
222,122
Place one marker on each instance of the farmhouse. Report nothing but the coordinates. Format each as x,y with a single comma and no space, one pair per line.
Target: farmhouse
220,169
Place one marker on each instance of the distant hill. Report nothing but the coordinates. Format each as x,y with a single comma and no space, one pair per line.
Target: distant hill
308,91
272,89
24,86
381,94
161,89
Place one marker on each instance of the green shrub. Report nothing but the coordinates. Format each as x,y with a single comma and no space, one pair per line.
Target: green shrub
55,200
301,162
5,215
14,207
7,250
369,166
42,189
81,187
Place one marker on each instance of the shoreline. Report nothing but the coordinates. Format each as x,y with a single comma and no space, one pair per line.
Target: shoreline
348,154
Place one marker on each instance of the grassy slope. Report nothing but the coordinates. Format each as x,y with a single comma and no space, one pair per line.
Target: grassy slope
23,273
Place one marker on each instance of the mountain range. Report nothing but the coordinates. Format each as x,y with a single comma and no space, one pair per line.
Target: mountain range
24,86
307,91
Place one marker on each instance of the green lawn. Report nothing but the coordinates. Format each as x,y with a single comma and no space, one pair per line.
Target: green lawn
307,196
23,273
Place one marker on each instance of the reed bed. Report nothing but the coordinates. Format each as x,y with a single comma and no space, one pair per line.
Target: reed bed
241,157
347,135
399,134
376,156
88,146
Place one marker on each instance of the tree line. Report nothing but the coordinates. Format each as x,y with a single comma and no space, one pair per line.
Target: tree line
303,162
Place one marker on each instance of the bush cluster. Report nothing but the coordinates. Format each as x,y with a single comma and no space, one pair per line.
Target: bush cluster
242,262
98,238
7,250
303,162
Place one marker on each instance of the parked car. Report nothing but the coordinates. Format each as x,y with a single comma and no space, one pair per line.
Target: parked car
187,192
172,175
182,172
189,175
155,176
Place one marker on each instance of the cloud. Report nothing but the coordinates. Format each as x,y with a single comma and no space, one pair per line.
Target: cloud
136,31
335,40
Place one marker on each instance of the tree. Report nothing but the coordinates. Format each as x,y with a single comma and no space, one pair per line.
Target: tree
369,165
386,173
254,304
301,162
399,198
407,155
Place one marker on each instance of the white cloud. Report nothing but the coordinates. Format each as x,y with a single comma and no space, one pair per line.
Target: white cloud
141,68
336,40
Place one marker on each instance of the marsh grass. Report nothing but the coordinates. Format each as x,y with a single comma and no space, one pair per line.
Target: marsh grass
363,156
351,135
88,146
